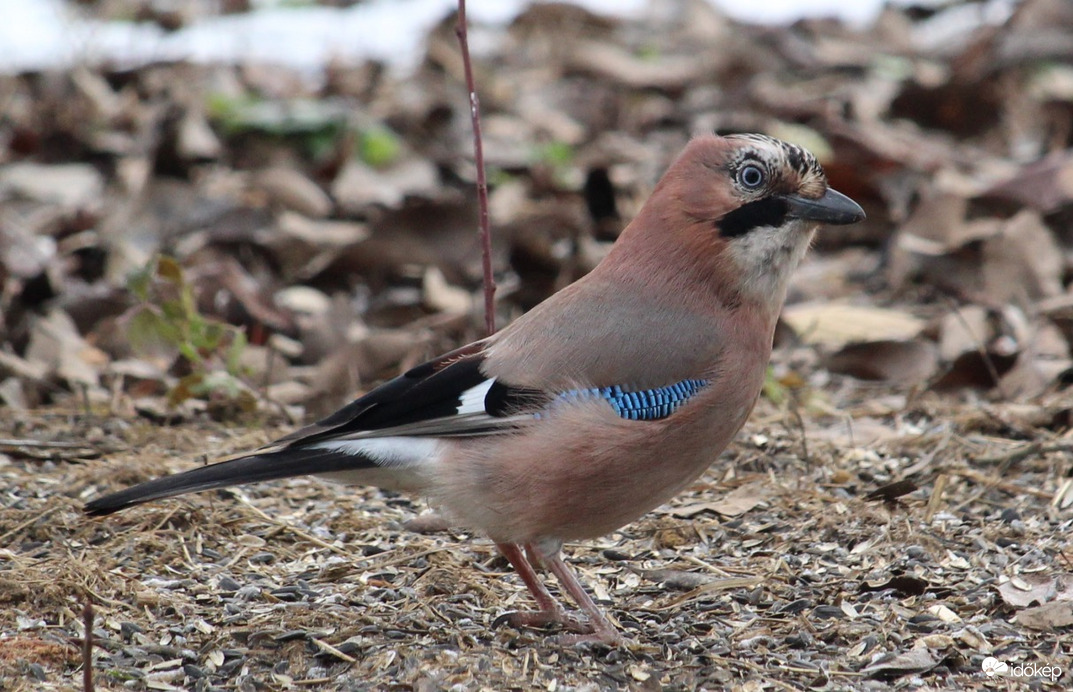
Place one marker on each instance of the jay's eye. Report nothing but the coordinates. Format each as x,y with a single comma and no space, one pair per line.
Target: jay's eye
751,176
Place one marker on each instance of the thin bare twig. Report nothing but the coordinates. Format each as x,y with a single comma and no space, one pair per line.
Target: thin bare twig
482,182
981,349
87,647
328,648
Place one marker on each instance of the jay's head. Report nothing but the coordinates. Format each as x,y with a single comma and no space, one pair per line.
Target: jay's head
746,207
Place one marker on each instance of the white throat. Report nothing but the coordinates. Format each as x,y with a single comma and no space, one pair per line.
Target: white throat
767,256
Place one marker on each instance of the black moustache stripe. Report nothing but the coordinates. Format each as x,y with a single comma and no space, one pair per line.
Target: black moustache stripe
768,212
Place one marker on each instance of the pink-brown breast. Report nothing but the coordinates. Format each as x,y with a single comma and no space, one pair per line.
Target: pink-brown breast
582,471
664,305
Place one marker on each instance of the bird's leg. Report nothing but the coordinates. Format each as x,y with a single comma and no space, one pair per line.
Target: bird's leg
532,554
514,555
550,612
601,630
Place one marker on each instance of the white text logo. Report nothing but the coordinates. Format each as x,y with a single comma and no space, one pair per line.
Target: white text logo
993,667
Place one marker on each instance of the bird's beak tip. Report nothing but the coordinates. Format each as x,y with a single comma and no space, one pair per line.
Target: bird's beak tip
833,208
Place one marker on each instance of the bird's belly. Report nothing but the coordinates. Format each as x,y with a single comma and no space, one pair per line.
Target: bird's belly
582,479
613,499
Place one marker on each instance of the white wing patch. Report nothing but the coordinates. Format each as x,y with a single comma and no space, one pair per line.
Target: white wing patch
388,452
472,400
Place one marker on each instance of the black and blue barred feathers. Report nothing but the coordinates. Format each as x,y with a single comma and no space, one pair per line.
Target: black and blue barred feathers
646,404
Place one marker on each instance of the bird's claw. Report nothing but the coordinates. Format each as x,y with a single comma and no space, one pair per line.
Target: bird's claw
543,618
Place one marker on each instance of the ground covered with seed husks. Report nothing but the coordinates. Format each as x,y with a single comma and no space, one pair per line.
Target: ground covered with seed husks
197,258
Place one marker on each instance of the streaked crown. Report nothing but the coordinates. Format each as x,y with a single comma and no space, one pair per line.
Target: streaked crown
788,167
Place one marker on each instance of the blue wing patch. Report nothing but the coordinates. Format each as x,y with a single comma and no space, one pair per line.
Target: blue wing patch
646,404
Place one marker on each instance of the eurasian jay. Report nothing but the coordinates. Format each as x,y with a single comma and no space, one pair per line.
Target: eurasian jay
600,403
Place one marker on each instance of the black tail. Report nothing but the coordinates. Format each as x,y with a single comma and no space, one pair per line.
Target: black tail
284,463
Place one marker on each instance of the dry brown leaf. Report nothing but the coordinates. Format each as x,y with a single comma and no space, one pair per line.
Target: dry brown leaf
938,226
359,186
736,502
1047,617
611,63
442,296
837,323
56,343
905,362
1043,359
1026,590
963,330
896,665
68,185
195,139
294,191
1023,261
304,246
1043,185
1036,588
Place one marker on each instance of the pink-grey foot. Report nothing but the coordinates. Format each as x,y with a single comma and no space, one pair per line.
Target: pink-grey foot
540,619
603,632
550,613
597,630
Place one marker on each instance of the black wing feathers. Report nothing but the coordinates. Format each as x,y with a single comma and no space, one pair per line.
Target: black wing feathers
505,400
422,393
428,392
434,395
251,469
425,400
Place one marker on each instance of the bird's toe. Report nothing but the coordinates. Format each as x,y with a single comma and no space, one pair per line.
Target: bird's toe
543,619
608,638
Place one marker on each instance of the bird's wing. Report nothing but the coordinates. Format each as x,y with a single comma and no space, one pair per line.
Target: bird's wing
449,396
595,333
383,438
454,395
390,435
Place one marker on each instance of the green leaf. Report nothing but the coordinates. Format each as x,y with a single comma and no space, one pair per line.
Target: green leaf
139,281
231,112
772,389
322,144
191,353
379,147
235,351
189,304
216,335
498,176
173,311
555,154
169,269
150,332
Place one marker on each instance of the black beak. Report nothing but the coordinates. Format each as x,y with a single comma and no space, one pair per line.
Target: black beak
833,208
